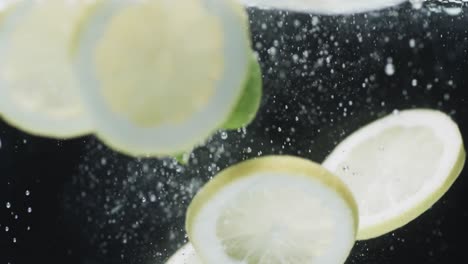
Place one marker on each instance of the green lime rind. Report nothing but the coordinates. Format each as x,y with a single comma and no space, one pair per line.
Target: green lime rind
248,104
290,165
182,158
394,223
246,108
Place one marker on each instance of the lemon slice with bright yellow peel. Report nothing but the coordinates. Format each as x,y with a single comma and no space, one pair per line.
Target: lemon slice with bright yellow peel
397,167
161,76
185,255
274,210
38,88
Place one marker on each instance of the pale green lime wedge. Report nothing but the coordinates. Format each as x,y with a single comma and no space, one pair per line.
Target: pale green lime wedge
248,105
160,76
185,255
273,210
39,91
324,6
397,167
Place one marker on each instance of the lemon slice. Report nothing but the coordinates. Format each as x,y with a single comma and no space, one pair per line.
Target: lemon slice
324,6
38,91
185,255
161,76
398,167
274,210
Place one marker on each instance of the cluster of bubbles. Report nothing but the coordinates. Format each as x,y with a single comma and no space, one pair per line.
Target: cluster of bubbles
450,7
15,213
323,78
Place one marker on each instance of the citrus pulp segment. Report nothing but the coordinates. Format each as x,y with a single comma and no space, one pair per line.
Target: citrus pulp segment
185,255
397,167
274,210
38,87
158,83
324,6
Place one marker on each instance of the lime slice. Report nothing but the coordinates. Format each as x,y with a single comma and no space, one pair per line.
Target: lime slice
185,255
38,87
161,76
248,104
324,6
273,210
398,167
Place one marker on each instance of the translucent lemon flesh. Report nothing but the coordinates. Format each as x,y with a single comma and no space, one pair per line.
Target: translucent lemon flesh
162,73
274,210
397,167
39,88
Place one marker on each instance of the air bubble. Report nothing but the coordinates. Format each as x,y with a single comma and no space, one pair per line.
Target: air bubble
390,68
453,11
224,135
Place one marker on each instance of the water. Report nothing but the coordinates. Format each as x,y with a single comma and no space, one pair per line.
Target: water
78,202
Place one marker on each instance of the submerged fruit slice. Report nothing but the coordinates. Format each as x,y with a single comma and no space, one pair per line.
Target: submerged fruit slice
325,6
398,167
38,91
161,76
273,210
185,255
247,106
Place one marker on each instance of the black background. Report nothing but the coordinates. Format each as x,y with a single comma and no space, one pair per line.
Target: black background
91,205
